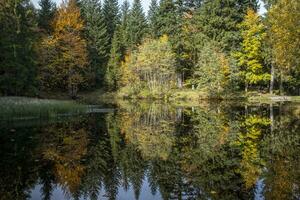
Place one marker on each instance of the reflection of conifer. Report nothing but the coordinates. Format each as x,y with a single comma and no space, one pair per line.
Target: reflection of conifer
152,180
137,171
96,162
112,177
112,181
47,181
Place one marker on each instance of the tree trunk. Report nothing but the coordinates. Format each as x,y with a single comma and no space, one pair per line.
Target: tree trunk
272,79
272,118
281,84
179,80
246,87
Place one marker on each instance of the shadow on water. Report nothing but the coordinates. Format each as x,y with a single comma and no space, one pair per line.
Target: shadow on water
155,151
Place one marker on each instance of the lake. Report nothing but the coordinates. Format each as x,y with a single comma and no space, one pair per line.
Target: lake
142,150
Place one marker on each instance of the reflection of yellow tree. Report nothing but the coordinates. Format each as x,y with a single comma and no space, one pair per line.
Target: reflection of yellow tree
280,185
249,142
281,148
150,127
65,147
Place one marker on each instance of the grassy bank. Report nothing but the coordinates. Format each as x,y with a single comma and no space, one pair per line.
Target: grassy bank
267,98
29,108
185,96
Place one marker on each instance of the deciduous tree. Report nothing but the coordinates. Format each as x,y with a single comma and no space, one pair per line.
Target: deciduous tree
284,37
64,57
250,58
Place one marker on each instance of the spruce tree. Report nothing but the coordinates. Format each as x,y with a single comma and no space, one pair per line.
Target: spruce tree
137,24
218,20
152,18
192,5
96,36
167,20
112,72
111,16
17,39
46,14
125,14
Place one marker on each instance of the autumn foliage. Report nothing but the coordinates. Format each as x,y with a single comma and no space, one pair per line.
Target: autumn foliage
64,53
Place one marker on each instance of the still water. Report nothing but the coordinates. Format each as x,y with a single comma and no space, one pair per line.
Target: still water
155,151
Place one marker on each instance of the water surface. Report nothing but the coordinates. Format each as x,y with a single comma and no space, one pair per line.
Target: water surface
154,151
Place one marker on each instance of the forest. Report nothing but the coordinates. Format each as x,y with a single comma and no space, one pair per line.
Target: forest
211,47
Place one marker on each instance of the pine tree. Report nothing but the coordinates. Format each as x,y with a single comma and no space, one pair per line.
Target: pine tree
219,19
17,39
250,58
64,56
137,24
111,16
96,36
152,18
46,15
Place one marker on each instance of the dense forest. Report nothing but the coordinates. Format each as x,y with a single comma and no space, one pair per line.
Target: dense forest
211,46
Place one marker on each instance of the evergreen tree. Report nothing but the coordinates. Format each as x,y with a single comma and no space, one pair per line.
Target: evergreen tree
219,19
46,14
111,16
192,5
125,15
137,24
152,18
113,67
96,36
167,19
119,47
17,38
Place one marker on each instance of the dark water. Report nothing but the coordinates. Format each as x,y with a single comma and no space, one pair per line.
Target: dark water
155,151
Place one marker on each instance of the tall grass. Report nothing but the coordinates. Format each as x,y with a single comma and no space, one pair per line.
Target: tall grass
30,108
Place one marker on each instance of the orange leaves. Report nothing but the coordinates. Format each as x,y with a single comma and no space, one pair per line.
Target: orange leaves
68,18
65,57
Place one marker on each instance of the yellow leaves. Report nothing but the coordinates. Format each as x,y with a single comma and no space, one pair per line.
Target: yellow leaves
250,57
64,54
284,33
152,67
66,155
249,142
164,38
68,18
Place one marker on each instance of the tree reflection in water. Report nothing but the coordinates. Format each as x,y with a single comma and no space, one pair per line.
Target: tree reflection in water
216,151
